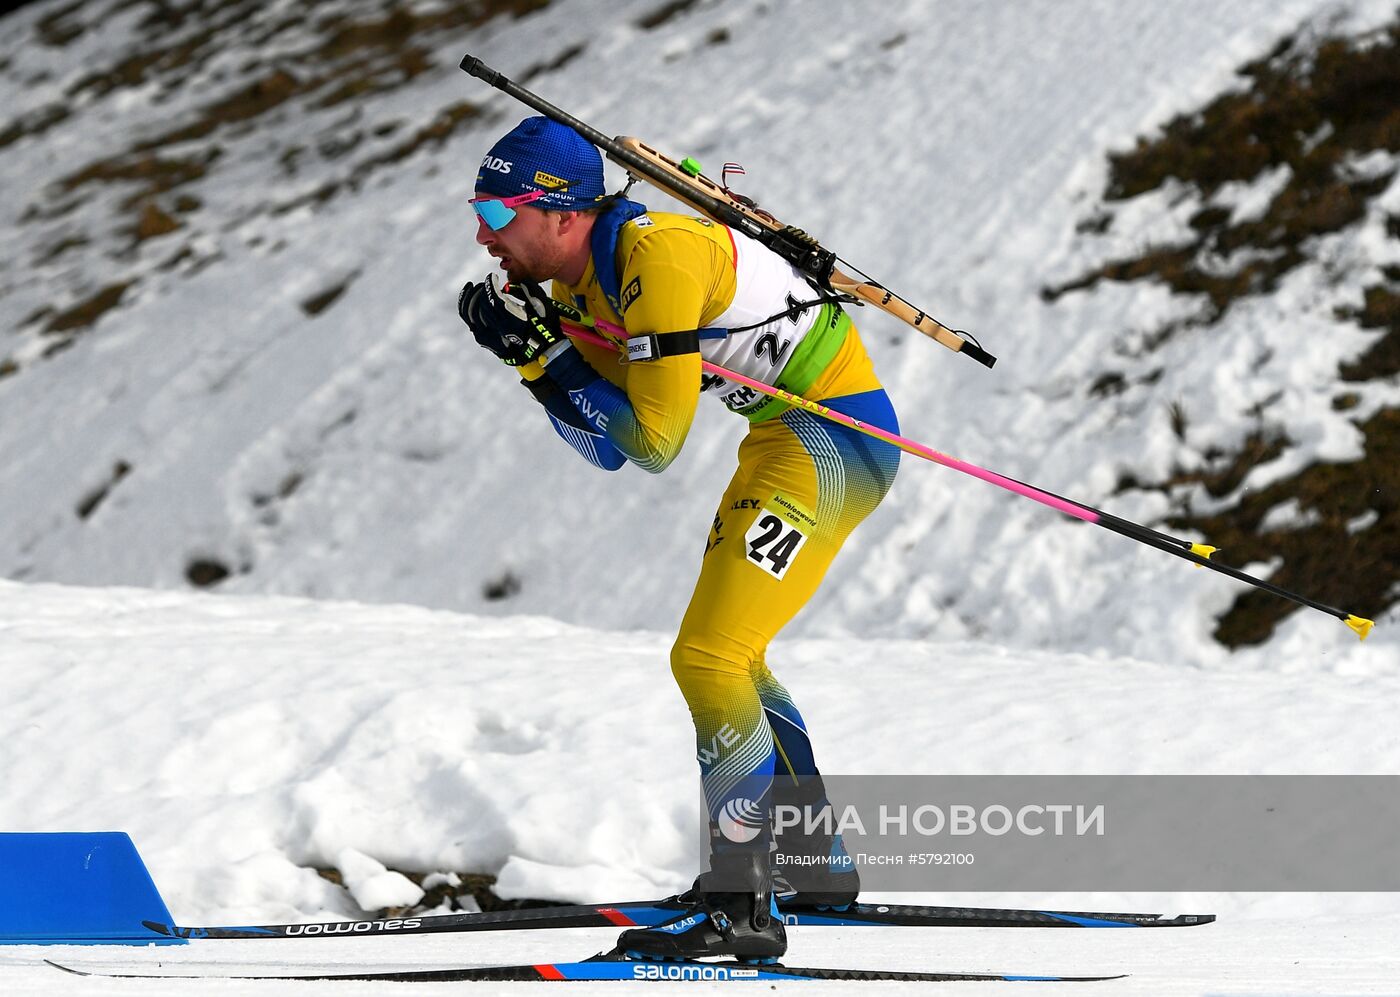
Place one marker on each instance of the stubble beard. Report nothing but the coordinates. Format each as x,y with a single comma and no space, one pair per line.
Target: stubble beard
546,264
516,273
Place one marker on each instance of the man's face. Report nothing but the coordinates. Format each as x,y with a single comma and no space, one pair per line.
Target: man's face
528,247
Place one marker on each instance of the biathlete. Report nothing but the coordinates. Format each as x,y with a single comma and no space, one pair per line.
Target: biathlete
684,289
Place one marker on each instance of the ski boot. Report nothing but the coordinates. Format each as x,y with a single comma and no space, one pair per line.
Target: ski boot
811,870
731,912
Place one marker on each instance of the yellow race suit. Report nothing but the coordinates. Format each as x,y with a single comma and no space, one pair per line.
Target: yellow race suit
802,482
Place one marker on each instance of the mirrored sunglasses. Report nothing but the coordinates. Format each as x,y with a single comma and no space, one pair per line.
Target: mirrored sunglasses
498,212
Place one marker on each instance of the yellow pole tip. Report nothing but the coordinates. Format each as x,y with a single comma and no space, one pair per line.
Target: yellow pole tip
1362,627
1203,550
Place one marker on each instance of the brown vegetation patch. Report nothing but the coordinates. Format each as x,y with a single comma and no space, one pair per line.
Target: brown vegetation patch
506,586
1315,111
98,495
60,247
86,312
154,222
54,29
347,58
664,13
1380,311
34,123
475,886
1223,472
206,572
436,132
1348,557
558,62
318,303
170,53
353,58
154,174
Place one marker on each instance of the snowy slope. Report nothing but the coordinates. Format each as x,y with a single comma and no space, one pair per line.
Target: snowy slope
245,741
370,451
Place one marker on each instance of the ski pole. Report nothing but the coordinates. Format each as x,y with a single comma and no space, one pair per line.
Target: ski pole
586,328
684,181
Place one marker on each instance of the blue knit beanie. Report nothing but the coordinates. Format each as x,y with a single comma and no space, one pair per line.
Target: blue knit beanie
540,154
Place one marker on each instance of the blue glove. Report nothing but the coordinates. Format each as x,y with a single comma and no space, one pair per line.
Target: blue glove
513,325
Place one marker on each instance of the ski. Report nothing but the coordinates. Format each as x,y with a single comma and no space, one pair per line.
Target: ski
654,912
609,966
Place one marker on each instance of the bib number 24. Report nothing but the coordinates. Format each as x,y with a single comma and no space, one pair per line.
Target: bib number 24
773,542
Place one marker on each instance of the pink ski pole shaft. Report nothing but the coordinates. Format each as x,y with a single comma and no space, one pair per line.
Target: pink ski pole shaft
580,330
585,327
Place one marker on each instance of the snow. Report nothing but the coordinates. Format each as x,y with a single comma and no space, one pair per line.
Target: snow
1249,201
244,741
371,452
352,697
1287,515
372,885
